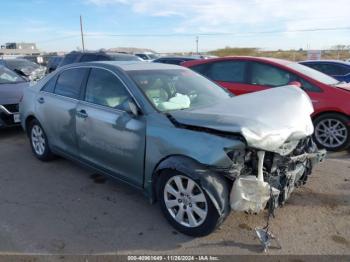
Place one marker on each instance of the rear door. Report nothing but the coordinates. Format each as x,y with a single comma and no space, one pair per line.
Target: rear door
56,108
109,137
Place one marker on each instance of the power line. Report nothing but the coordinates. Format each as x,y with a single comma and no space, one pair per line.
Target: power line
246,34
220,33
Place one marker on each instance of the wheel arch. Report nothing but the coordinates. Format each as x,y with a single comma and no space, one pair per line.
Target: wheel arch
329,112
216,186
27,121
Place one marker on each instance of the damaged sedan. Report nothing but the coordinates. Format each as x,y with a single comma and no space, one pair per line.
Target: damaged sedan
185,142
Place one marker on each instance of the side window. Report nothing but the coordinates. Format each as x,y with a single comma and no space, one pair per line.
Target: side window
316,67
103,58
268,75
69,59
202,69
333,69
89,57
175,61
228,71
308,87
103,88
69,82
50,85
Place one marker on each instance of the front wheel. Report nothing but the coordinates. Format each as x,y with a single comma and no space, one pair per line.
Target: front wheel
186,205
332,132
39,142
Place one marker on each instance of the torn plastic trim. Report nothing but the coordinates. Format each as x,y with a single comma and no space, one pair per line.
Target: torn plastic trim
213,184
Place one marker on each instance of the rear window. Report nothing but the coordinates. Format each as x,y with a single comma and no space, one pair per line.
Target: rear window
69,82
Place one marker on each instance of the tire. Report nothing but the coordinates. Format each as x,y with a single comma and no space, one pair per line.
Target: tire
332,132
195,202
39,142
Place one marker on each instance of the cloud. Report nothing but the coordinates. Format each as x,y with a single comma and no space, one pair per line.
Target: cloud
230,15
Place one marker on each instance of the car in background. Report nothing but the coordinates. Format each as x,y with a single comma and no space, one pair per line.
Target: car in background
147,56
53,63
79,57
11,91
169,132
28,69
340,70
174,60
330,98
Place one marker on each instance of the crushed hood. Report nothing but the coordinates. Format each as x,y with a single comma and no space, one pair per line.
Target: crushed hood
266,119
11,93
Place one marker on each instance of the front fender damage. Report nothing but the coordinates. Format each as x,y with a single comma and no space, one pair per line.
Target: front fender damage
272,177
214,185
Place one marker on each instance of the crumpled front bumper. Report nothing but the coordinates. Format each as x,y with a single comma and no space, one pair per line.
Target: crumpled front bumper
251,193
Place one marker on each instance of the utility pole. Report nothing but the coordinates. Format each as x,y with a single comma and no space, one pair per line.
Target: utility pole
82,34
197,40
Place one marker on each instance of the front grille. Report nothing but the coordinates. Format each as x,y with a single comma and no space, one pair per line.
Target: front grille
13,108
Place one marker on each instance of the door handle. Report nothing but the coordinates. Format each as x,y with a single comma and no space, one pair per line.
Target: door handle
41,100
82,114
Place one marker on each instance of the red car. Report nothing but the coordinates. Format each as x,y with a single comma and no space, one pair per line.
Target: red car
331,98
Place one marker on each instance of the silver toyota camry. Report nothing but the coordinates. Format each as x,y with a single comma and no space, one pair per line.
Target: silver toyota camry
175,135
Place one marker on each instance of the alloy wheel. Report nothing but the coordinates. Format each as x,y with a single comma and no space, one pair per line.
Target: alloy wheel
38,140
331,133
185,201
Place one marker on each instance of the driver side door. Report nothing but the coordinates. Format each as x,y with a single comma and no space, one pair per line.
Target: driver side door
110,138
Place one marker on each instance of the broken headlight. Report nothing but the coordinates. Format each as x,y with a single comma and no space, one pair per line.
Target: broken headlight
287,147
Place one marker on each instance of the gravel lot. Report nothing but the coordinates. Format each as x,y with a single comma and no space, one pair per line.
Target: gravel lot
61,208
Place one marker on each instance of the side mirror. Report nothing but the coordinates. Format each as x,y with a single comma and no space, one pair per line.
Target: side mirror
295,83
131,108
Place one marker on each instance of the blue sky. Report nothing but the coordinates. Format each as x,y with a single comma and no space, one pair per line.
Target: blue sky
171,25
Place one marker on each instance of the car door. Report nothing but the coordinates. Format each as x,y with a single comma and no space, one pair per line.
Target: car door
109,137
56,108
231,75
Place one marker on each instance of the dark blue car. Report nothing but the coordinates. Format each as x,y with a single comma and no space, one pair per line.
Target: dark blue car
340,70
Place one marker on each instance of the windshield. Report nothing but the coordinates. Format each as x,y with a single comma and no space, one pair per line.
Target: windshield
312,73
21,64
9,77
178,89
153,56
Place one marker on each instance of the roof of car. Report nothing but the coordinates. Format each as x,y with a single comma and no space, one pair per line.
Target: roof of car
227,58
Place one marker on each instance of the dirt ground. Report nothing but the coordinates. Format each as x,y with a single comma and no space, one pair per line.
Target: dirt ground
62,208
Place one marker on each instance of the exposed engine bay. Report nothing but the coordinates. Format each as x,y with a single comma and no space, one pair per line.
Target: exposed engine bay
266,177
